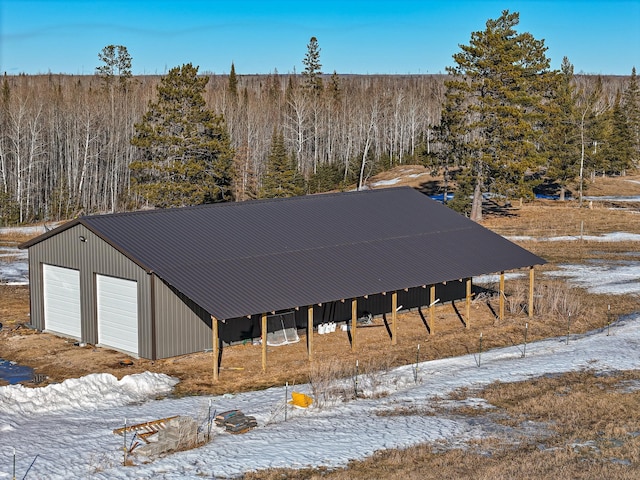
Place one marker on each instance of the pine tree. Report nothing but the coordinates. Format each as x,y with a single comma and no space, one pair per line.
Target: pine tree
618,146
334,87
312,66
495,103
596,128
328,176
281,178
117,65
562,142
632,111
233,82
185,155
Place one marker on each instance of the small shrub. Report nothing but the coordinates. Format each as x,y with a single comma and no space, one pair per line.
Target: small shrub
556,298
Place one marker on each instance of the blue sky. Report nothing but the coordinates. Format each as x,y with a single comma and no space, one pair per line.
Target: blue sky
359,37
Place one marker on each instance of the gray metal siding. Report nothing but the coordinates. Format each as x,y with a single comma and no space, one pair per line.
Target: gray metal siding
181,325
91,257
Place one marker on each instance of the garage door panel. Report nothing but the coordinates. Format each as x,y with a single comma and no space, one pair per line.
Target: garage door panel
117,300
61,297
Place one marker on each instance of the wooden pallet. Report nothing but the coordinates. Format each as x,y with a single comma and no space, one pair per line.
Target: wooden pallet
144,430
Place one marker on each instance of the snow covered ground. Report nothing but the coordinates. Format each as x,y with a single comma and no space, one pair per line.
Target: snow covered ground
612,198
609,278
14,266
66,430
607,237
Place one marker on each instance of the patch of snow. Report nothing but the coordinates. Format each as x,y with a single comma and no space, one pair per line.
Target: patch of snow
30,230
13,252
14,273
98,390
629,386
603,277
607,237
380,183
613,198
492,279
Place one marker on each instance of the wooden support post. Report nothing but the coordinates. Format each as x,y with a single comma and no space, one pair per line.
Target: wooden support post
215,347
501,308
468,319
432,308
354,321
394,318
531,277
264,342
310,331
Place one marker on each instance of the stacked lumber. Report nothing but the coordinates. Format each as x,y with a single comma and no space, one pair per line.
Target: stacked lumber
234,421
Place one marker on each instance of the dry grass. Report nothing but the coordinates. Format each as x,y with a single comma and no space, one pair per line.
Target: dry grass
588,431
14,306
59,358
552,219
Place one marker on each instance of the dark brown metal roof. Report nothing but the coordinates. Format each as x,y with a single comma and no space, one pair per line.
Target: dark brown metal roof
237,259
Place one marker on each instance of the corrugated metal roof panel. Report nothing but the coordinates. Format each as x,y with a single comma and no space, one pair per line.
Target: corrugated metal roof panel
247,258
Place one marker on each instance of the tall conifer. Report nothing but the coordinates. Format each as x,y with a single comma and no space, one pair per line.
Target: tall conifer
233,82
562,142
185,155
632,110
312,66
495,105
618,147
281,178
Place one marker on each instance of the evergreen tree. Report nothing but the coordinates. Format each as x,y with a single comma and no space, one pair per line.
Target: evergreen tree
596,129
494,107
618,146
117,65
562,142
185,155
233,82
328,176
334,87
281,178
6,93
465,182
632,111
451,133
312,66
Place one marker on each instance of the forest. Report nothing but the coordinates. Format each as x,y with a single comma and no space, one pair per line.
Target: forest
112,141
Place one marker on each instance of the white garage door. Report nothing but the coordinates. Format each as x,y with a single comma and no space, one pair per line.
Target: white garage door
117,313
62,300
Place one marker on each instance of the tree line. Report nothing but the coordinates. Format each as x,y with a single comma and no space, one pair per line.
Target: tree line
500,121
